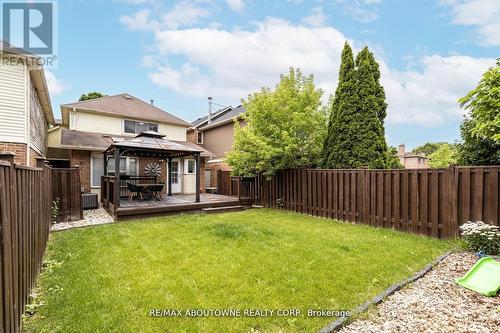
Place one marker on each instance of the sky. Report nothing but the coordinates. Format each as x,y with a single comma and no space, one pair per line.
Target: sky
431,52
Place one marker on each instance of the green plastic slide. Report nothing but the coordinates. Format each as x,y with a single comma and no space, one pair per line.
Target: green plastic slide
483,277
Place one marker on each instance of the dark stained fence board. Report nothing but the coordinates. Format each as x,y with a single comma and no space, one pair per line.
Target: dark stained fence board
433,202
25,223
66,186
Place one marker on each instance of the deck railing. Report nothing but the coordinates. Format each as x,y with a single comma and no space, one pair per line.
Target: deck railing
124,179
108,193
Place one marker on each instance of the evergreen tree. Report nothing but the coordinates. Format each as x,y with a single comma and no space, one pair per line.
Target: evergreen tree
370,149
333,152
355,136
379,89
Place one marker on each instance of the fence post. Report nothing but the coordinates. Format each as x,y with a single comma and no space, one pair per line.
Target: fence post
239,189
7,156
79,195
453,207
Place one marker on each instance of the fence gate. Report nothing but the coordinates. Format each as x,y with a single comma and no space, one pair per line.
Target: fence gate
66,189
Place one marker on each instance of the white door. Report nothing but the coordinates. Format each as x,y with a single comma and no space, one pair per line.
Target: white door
176,176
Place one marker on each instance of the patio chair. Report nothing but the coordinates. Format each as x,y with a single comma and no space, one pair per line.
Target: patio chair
156,190
134,190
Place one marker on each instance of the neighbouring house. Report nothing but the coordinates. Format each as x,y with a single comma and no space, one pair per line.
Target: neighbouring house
411,160
215,132
25,109
89,127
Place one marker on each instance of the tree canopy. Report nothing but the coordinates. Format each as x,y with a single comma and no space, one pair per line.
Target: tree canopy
483,104
474,150
91,95
443,156
285,128
428,148
393,161
355,137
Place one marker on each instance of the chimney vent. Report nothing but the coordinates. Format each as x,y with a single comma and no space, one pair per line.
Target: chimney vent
152,101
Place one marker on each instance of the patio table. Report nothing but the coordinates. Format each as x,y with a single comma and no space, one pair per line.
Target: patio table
149,189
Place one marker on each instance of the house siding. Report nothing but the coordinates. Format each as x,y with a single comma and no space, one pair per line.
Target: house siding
13,102
105,124
219,140
38,129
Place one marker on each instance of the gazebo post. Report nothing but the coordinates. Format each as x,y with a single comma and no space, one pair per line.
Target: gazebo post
169,175
197,177
105,164
116,195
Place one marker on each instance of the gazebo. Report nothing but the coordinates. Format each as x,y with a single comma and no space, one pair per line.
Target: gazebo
146,144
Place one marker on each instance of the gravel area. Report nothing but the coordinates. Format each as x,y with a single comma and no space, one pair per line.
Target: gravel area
434,303
90,217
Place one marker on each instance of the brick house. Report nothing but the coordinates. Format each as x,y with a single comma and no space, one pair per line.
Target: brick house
25,109
215,132
411,160
89,127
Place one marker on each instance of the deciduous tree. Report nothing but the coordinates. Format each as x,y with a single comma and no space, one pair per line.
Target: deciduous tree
285,128
91,95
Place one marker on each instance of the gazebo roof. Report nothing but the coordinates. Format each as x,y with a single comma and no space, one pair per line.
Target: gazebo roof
150,143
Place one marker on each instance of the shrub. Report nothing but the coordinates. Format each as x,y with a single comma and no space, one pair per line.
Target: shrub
55,209
480,236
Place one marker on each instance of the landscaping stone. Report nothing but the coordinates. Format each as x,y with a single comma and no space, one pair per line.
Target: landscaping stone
90,217
434,303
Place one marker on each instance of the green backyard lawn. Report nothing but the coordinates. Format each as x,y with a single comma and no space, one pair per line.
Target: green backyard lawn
108,278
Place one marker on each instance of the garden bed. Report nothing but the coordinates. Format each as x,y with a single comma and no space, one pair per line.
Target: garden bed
434,303
110,277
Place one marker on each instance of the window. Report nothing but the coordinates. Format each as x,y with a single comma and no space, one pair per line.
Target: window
174,172
128,166
136,127
97,170
200,137
191,164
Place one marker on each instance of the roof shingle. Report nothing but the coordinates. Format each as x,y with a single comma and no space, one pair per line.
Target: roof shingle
126,105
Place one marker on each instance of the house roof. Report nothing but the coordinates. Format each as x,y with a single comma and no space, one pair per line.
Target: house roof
37,76
71,139
125,105
219,118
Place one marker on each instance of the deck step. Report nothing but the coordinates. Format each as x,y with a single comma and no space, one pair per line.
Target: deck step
223,209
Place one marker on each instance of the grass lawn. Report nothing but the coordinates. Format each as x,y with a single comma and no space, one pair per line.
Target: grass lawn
107,278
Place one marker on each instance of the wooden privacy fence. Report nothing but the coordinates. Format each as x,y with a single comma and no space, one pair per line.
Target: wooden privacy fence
66,187
434,202
25,222
242,187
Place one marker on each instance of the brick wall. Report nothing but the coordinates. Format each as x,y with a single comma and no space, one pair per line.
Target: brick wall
17,148
34,156
82,159
144,161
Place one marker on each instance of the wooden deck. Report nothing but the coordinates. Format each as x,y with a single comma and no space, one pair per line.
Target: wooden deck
173,205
